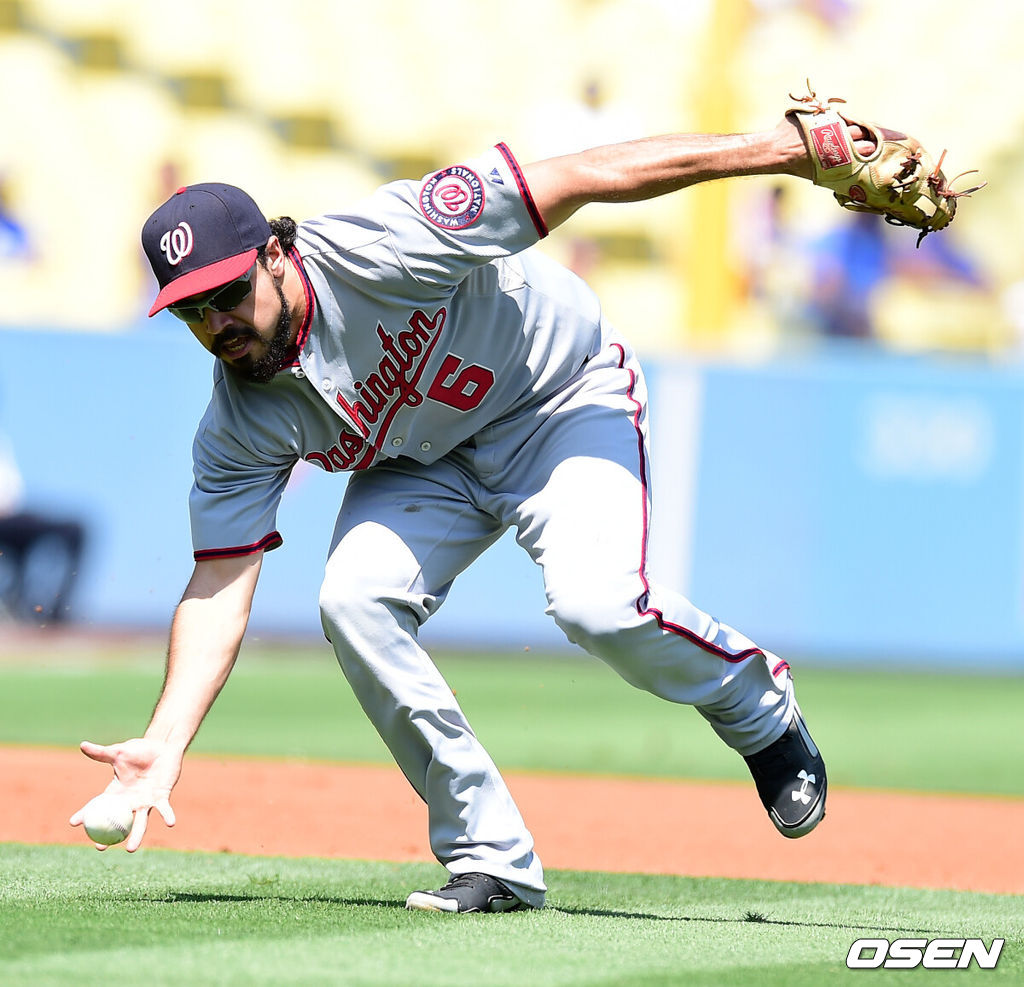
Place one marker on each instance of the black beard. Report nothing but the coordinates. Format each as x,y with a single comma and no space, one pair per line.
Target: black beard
265,369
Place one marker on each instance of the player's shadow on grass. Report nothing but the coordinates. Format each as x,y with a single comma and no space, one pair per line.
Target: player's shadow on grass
749,918
192,897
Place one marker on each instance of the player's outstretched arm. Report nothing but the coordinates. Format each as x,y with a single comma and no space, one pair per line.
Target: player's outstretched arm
654,166
206,634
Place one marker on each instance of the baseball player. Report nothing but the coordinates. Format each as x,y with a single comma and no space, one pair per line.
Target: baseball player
467,384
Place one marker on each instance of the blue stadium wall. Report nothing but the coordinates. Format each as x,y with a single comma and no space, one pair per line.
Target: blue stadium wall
845,506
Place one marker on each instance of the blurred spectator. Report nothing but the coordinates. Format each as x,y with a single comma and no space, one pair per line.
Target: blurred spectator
833,14
587,120
167,180
831,285
851,261
14,239
565,126
777,265
39,555
1013,309
856,258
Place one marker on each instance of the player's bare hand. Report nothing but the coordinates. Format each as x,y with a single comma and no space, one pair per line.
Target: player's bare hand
145,771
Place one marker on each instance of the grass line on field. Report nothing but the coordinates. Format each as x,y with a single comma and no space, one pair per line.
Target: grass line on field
562,713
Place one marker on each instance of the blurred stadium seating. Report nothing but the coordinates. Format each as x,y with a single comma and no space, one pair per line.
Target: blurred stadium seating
109,104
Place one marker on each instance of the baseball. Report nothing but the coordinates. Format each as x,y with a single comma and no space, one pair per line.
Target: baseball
108,819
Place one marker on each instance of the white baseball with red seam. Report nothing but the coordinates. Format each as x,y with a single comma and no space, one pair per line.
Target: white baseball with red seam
108,818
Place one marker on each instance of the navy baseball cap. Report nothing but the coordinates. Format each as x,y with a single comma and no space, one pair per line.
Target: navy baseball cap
203,236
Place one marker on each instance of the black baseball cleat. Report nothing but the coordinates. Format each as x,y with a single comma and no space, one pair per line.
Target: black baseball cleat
790,778
466,893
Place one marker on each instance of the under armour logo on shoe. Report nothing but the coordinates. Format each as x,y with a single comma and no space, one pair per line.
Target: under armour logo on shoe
805,780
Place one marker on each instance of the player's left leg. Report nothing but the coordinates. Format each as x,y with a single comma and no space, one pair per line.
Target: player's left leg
579,493
403,535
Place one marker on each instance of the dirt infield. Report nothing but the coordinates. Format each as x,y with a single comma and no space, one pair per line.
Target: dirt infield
615,824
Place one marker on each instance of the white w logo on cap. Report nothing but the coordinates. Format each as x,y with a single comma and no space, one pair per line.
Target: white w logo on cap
177,243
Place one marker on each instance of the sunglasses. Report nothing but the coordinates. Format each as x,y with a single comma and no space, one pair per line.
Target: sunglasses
222,299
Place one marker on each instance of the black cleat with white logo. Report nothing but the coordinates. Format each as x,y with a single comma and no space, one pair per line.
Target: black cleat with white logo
790,778
466,893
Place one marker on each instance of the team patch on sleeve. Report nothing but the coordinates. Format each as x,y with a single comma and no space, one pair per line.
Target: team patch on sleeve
453,198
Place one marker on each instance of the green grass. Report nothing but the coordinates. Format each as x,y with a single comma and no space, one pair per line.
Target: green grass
913,731
72,916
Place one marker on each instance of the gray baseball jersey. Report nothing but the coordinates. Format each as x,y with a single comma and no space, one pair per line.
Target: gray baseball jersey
426,319
429,324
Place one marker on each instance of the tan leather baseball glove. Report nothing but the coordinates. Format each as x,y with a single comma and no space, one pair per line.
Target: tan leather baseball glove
898,179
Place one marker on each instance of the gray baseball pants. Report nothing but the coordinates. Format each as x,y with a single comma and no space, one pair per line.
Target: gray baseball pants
571,474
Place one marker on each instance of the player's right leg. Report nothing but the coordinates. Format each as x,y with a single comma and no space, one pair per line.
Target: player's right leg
578,492
401,538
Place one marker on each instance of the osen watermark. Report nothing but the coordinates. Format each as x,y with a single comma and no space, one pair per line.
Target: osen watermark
932,954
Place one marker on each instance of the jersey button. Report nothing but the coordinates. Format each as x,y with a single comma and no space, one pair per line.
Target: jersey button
397,440
327,383
425,447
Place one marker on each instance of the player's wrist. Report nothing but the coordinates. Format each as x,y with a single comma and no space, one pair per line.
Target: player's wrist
173,738
791,150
